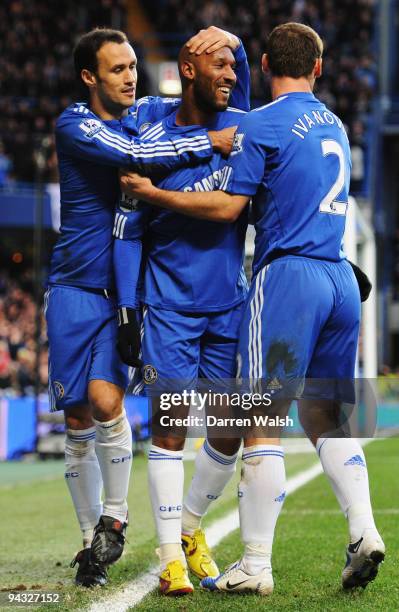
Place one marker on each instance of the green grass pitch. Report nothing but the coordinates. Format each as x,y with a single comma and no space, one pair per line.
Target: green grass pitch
39,536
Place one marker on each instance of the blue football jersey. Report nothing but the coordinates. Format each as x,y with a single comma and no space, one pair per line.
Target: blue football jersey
292,157
192,265
89,153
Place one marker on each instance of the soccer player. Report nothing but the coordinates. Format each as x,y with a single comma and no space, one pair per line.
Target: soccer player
194,291
87,379
301,320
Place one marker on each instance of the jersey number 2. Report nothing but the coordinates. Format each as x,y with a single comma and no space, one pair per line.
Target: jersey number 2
329,204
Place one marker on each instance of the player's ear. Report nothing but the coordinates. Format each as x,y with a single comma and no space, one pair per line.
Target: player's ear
88,78
318,68
187,70
265,63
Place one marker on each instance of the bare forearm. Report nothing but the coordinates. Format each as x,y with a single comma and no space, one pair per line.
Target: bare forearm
203,205
210,205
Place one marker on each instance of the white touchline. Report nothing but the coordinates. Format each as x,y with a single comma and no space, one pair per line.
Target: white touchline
138,588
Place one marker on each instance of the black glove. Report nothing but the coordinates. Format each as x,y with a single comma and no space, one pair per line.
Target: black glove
363,281
129,340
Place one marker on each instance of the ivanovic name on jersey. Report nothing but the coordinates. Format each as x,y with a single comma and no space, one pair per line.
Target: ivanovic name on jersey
314,118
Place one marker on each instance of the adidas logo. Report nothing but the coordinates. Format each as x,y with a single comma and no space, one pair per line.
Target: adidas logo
355,460
274,384
281,497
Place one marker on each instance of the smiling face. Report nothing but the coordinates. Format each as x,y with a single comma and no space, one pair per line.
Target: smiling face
214,79
113,85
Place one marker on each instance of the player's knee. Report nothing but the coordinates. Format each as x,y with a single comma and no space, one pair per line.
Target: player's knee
322,419
78,417
228,446
169,443
106,401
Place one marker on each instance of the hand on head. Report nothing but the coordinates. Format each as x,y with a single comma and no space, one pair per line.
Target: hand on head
210,40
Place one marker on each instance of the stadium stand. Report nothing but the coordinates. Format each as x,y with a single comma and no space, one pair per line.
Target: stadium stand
18,313
36,70
349,73
38,81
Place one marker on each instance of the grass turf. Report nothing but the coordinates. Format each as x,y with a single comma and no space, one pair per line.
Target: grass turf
308,553
309,550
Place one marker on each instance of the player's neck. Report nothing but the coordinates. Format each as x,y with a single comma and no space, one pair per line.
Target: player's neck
286,85
189,114
106,114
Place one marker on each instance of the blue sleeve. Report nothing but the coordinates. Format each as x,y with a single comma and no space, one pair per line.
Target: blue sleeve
127,259
154,108
254,141
91,140
131,219
240,97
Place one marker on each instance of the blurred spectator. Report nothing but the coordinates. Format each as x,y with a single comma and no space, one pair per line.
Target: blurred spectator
17,338
349,78
6,370
37,78
5,167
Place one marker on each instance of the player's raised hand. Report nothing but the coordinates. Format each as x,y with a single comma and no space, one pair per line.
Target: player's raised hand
135,185
222,141
212,39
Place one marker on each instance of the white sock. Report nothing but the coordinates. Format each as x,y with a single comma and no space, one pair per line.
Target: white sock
344,463
166,481
83,477
261,495
114,452
213,471
170,552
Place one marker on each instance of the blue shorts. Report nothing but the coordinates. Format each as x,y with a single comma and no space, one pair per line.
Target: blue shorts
181,350
301,321
81,329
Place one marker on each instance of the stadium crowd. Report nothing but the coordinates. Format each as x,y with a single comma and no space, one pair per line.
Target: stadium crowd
37,78
37,82
349,78
18,313
36,71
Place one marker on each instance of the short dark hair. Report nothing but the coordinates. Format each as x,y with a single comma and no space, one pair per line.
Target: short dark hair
292,50
85,51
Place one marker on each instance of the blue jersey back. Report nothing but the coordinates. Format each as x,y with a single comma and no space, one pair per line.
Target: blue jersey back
292,156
